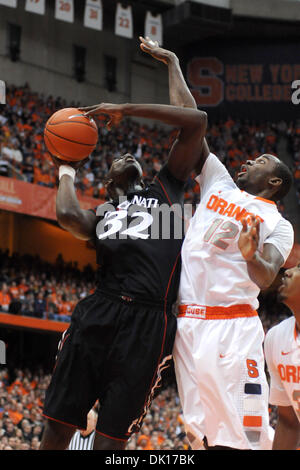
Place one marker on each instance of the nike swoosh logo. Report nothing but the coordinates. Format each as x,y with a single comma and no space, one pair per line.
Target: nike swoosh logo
285,353
222,355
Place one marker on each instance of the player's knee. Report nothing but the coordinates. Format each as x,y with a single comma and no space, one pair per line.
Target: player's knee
57,434
104,443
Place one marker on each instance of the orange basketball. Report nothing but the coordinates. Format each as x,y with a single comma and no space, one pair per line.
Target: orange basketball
69,135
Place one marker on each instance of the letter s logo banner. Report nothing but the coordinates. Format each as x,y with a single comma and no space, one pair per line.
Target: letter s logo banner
202,75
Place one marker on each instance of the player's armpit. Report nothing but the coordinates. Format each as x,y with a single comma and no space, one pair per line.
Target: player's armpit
185,153
202,157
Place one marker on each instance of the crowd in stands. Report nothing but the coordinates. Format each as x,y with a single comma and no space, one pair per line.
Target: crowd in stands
32,287
22,422
23,154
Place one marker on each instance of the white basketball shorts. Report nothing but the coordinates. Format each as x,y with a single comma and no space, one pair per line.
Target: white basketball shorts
219,366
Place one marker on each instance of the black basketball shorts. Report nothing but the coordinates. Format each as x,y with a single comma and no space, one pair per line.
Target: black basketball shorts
114,351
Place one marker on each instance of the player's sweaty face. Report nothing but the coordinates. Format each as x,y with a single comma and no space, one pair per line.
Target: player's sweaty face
124,168
254,174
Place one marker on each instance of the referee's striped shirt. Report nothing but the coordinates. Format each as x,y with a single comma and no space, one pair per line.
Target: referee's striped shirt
78,442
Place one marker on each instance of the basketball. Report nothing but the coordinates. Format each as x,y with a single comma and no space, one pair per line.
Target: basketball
69,135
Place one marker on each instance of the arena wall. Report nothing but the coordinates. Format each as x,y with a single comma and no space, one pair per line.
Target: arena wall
33,236
46,61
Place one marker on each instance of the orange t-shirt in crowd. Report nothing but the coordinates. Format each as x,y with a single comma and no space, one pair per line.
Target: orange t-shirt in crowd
4,299
14,291
15,416
146,438
23,287
19,385
297,173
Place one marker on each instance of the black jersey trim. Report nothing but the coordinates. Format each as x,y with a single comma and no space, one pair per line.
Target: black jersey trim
63,422
164,190
110,437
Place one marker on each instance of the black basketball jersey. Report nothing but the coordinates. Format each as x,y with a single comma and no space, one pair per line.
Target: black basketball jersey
139,239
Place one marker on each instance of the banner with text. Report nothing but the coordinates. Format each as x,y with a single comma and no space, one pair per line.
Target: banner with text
247,79
35,200
93,14
154,27
124,21
36,6
64,10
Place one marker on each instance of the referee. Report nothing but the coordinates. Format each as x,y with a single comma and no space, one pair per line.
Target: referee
84,440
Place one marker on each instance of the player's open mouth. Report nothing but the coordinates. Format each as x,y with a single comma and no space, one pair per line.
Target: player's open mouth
243,171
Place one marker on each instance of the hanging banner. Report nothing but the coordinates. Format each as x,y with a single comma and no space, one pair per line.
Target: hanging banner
35,6
9,3
256,84
33,199
154,27
93,14
64,10
124,21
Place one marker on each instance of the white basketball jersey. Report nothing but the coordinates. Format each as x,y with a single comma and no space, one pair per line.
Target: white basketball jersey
282,352
214,272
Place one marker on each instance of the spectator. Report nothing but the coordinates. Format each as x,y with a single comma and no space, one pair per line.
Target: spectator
5,298
15,305
12,152
9,429
26,430
39,305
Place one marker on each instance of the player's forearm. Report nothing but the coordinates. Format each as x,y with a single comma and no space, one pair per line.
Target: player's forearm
180,94
261,271
67,204
69,214
173,115
286,437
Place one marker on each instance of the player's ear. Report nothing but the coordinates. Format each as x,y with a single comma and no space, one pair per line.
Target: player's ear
110,187
275,182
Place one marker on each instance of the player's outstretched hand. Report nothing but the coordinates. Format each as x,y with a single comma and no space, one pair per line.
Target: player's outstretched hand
76,165
249,238
153,48
114,111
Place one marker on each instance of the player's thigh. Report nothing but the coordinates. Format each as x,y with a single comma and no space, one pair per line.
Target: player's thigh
73,388
137,362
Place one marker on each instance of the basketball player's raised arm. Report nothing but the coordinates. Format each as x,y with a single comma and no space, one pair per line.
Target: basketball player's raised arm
262,267
179,92
80,223
191,123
